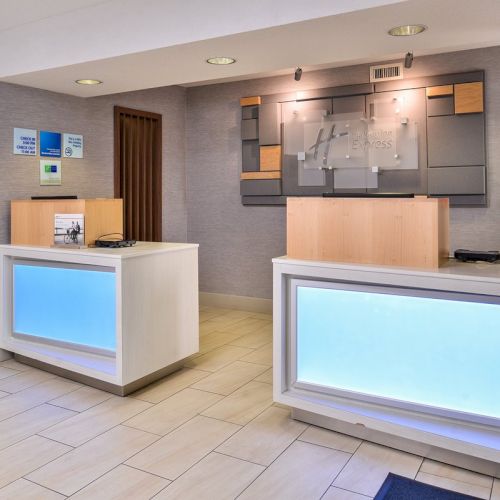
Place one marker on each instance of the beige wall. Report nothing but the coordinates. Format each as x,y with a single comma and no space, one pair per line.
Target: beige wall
92,176
237,243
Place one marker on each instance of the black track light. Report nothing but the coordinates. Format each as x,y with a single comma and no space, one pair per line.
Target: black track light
298,74
408,60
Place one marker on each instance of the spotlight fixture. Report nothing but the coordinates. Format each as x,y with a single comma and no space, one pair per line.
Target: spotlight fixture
407,30
408,60
88,81
221,60
298,74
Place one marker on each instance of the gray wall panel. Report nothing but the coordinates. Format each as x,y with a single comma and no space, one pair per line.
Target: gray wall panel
270,124
260,187
250,156
249,129
457,180
438,106
456,140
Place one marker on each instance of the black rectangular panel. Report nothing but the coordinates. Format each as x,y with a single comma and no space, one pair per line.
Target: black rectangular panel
439,106
457,180
250,159
264,200
260,187
456,140
352,104
249,130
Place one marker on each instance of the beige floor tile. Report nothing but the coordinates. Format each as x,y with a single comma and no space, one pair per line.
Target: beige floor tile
231,377
15,365
456,473
30,422
495,494
253,340
338,494
324,437
303,471
369,466
262,356
237,314
84,464
242,405
7,372
86,425
264,438
123,483
216,477
33,396
454,485
213,340
166,387
218,358
266,316
20,459
175,453
26,490
174,411
246,326
266,377
23,380
81,399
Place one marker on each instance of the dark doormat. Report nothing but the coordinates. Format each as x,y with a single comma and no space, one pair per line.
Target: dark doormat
402,488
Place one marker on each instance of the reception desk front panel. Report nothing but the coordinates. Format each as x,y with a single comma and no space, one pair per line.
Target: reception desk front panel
64,304
430,351
403,357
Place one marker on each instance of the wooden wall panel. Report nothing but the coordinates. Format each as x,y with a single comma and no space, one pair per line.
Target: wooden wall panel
250,101
469,98
440,90
260,175
270,158
398,232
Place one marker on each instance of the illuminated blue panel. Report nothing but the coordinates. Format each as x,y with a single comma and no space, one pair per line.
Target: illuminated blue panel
437,352
64,304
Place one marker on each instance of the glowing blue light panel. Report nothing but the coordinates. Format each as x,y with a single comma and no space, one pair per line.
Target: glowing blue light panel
429,351
65,304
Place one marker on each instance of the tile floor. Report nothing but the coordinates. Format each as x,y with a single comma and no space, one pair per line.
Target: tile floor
209,431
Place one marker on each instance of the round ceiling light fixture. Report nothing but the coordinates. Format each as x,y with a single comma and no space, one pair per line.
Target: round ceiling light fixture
407,30
88,81
221,60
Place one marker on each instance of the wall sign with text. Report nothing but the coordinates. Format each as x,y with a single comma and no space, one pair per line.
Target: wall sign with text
24,142
72,146
50,144
50,173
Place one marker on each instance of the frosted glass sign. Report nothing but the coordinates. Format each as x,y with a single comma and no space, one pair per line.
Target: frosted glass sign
385,142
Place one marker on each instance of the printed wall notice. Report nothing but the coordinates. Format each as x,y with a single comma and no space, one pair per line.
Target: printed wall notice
50,173
73,146
50,144
24,141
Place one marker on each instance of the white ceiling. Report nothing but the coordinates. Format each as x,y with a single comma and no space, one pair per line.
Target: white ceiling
137,44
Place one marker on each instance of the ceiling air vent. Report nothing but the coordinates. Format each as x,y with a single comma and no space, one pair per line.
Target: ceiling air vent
386,72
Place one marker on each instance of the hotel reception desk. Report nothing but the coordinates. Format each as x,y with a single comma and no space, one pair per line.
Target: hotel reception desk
113,318
404,357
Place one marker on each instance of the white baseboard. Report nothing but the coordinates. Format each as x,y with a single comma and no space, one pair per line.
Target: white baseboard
252,304
4,355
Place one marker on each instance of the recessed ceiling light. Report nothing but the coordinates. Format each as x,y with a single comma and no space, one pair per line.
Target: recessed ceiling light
407,30
88,81
221,60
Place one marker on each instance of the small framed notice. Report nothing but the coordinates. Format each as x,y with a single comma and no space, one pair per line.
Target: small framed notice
72,146
69,229
25,142
50,173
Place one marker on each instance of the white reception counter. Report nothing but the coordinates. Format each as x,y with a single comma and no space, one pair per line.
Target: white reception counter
407,358
113,318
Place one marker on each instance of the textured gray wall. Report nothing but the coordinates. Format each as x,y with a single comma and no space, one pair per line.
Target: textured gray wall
236,242
92,176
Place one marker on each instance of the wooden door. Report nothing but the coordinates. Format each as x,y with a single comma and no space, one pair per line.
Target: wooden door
138,172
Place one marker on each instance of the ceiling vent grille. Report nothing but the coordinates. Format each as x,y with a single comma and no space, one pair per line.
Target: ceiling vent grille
386,72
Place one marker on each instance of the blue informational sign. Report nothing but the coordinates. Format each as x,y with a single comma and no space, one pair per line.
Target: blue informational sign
50,144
